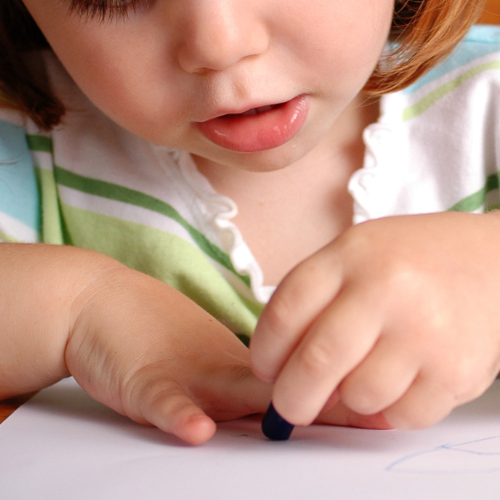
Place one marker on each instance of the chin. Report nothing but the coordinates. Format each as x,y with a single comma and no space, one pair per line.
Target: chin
270,160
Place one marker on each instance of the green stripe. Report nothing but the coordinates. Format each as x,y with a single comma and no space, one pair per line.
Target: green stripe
477,199
39,143
7,238
120,193
123,194
166,256
51,223
427,101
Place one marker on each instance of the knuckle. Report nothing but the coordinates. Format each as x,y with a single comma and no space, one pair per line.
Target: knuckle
402,274
278,313
144,387
364,398
317,360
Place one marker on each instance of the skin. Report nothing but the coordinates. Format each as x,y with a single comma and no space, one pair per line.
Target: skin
163,68
377,328
405,324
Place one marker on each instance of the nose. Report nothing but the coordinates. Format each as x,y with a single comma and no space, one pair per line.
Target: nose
216,34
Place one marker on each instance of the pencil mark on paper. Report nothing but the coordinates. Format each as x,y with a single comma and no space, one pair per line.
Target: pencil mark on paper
470,457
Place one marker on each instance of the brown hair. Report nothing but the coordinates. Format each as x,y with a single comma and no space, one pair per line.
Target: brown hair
19,87
423,32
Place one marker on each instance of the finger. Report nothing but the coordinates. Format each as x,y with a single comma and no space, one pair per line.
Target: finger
338,341
341,415
170,409
381,379
423,405
299,299
220,392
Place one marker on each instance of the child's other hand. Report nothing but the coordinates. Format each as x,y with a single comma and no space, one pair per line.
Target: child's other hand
398,318
150,353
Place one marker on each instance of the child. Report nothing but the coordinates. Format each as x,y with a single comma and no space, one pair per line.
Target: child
179,158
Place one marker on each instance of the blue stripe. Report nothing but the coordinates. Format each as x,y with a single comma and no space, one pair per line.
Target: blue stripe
19,194
481,41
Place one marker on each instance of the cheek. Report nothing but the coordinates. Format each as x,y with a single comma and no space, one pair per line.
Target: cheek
121,68
116,90
348,38
128,83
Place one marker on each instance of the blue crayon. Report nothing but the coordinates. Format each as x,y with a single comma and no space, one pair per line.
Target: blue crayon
274,426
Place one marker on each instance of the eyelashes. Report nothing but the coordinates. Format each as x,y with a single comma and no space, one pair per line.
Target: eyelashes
105,9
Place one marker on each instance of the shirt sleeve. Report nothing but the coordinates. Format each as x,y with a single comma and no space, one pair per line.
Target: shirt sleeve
19,192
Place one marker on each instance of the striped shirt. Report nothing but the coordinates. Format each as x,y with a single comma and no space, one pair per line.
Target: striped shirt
91,184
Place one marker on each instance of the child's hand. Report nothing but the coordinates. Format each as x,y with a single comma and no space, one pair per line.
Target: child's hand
150,353
398,315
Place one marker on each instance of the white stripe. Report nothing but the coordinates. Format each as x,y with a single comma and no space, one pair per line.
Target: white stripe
414,97
149,218
42,160
19,231
122,210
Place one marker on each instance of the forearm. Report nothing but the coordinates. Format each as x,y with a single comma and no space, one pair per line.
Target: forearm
38,288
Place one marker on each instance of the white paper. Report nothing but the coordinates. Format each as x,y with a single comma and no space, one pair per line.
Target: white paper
63,445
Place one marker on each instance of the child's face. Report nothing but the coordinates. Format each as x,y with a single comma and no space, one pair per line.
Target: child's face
170,65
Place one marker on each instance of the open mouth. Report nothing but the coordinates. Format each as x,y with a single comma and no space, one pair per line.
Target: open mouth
254,111
259,128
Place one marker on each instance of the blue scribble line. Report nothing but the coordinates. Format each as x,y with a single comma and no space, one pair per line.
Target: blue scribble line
472,461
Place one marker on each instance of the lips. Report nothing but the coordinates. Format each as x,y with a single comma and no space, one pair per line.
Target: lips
259,128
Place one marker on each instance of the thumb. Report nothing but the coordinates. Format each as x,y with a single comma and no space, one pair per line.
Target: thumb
190,410
171,409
